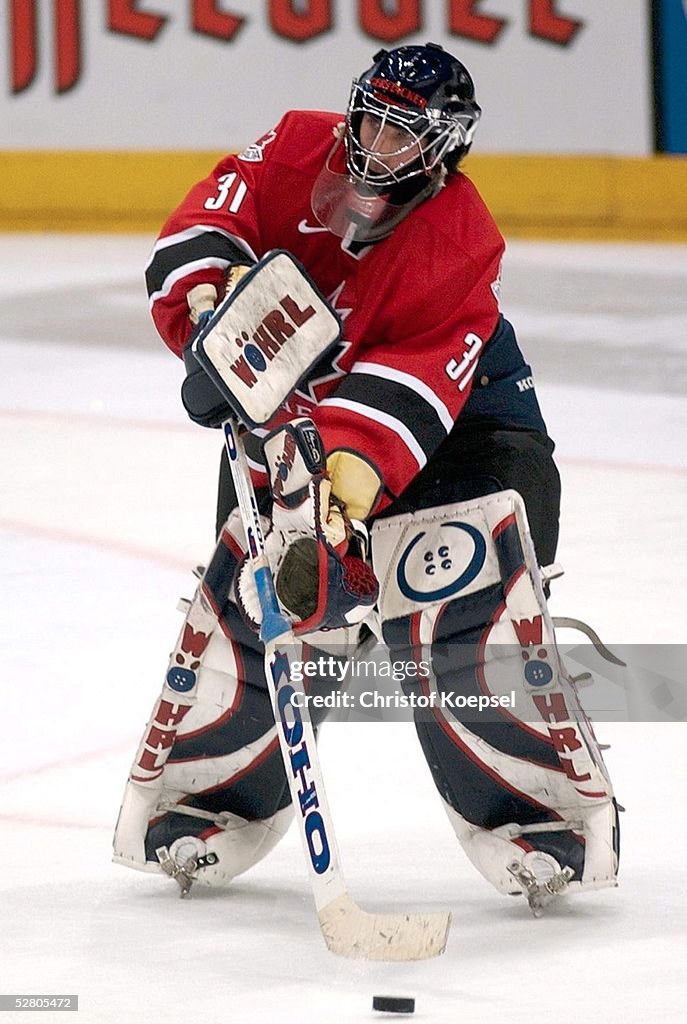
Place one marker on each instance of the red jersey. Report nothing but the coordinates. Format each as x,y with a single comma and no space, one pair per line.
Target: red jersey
417,306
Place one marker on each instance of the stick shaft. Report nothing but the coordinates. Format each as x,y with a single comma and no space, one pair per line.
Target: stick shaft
295,731
347,929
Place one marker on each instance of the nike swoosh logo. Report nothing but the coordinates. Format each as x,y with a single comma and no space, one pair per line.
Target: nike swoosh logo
308,229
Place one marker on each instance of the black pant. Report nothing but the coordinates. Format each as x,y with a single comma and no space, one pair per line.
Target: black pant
478,460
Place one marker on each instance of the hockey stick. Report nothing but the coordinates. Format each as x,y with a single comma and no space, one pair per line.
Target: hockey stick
347,929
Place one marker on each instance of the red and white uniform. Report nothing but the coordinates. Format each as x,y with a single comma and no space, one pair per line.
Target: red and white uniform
417,307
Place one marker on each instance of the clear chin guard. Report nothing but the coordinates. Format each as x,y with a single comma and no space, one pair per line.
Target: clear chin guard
352,210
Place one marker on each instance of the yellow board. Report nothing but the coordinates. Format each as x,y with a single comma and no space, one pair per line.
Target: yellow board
530,196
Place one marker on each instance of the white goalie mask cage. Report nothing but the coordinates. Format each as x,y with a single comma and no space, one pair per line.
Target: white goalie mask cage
418,107
424,138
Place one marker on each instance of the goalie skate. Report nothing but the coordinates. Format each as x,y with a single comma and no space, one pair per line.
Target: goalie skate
183,869
542,880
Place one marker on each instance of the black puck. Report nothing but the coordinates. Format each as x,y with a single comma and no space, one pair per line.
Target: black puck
393,1004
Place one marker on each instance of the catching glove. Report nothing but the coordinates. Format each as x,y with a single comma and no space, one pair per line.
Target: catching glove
316,553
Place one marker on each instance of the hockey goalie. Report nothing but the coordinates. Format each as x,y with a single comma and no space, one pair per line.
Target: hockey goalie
406,482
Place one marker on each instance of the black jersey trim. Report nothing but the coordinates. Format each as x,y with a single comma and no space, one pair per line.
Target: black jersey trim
206,244
376,394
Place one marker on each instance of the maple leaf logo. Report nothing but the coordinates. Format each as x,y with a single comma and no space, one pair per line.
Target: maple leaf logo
327,368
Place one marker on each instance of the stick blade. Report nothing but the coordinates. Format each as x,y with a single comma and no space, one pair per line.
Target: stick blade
352,932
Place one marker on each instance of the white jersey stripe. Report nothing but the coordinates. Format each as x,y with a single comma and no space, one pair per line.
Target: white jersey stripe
193,232
184,271
414,383
376,416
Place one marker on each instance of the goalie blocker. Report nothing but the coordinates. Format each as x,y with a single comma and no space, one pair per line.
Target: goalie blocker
266,335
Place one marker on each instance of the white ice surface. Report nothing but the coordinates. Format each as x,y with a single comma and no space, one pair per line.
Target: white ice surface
107,501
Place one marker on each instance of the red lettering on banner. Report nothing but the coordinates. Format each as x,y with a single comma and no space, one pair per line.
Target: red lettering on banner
377,22
194,643
124,16
299,26
294,20
268,344
465,21
546,23
23,44
207,20
67,44
278,326
243,370
529,631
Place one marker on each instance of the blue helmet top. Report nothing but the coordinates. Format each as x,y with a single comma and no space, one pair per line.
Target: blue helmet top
410,120
423,90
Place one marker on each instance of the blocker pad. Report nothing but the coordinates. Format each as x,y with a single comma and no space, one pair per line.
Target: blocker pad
266,336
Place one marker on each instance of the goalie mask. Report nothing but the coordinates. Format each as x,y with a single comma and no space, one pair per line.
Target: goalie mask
410,117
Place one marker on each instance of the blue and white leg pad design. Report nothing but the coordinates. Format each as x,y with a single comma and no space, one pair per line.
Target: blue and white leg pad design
510,748
207,784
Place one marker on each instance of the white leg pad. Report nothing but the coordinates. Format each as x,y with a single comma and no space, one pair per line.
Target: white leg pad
467,574
493,852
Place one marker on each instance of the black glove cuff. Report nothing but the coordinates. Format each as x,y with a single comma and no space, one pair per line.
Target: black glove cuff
200,397
202,401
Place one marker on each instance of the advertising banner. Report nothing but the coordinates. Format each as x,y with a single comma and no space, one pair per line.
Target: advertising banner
553,76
